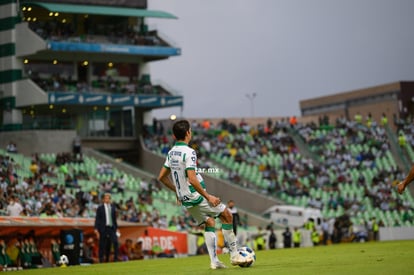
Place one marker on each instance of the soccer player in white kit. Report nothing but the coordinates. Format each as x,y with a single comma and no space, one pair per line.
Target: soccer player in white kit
181,164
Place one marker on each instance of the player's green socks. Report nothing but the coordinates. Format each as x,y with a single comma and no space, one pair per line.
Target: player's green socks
211,243
230,238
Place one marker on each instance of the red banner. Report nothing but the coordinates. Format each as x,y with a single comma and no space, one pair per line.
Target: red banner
167,240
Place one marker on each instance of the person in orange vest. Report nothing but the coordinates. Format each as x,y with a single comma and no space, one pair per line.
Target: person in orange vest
206,124
293,121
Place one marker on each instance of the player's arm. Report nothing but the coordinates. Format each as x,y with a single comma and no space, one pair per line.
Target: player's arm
192,178
165,179
403,184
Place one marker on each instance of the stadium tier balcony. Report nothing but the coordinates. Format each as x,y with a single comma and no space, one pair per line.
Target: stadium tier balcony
103,34
114,31
54,83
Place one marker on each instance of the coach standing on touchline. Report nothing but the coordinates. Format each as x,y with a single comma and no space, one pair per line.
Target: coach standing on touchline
106,229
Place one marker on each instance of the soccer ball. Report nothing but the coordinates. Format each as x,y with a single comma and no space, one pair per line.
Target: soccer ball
248,253
63,260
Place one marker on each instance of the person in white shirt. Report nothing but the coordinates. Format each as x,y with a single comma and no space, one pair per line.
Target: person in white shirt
14,208
11,147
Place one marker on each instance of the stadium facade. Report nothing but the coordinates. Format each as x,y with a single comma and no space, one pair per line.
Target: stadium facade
81,66
395,100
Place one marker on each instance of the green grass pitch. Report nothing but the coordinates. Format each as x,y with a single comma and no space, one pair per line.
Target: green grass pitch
388,258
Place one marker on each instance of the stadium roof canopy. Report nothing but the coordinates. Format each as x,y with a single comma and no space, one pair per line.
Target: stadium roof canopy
102,10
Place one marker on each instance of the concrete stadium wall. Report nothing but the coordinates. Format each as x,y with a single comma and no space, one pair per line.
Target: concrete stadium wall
39,141
342,97
252,121
388,107
147,160
110,143
396,233
122,166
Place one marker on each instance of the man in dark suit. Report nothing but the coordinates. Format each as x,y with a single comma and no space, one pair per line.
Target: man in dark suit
106,229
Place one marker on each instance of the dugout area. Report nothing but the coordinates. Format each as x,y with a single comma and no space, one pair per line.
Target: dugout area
15,230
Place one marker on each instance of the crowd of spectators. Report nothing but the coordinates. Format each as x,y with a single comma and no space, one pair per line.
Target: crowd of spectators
94,33
351,171
32,188
246,144
58,83
108,84
40,193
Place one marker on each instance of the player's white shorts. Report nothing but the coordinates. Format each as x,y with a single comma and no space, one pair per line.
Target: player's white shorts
204,210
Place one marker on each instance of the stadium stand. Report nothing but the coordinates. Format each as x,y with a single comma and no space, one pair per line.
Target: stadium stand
64,186
352,175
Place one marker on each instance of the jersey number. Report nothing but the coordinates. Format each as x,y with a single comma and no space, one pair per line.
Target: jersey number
177,185
177,180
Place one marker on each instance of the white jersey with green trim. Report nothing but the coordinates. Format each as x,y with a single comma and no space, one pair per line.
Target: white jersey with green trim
180,159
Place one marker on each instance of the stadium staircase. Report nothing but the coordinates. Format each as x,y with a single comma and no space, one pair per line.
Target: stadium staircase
302,146
401,157
120,165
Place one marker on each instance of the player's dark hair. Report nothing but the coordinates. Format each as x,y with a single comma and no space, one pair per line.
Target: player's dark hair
180,129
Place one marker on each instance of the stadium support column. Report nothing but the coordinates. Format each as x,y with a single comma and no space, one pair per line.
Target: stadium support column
10,66
144,70
139,121
89,74
346,110
75,70
145,75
